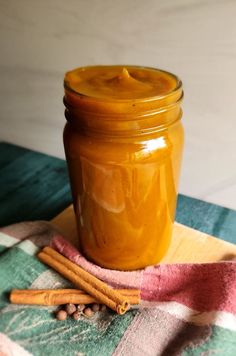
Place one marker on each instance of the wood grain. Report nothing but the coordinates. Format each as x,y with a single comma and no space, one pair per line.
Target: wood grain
188,245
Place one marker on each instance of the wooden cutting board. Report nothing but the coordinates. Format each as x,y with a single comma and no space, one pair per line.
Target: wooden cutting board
188,245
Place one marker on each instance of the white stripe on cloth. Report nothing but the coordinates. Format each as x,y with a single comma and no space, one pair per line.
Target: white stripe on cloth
26,245
8,241
220,318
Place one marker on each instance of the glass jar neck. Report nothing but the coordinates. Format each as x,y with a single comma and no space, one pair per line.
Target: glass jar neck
123,117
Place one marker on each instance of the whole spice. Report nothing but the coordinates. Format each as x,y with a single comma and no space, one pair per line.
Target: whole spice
64,296
103,308
70,308
88,312
76,315
80,307
95,307
61,315
82,279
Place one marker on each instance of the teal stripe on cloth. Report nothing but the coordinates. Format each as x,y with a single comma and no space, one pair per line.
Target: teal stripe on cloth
18,270
37,330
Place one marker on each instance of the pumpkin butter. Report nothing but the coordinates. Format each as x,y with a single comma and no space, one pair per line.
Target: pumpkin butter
123,143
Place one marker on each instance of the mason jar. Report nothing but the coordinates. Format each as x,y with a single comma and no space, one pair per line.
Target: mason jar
123,143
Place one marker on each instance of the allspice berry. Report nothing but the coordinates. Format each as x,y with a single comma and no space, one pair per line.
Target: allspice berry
95,307
103,308
76,315
61,315
70,308
80,307
88,312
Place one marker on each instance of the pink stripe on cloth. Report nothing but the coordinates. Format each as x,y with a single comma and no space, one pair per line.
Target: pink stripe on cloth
114,278
202,287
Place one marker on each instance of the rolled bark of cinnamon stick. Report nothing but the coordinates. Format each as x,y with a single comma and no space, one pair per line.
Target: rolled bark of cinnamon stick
84,280
63,296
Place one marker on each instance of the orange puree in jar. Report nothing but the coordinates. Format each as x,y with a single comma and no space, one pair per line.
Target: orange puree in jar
123,143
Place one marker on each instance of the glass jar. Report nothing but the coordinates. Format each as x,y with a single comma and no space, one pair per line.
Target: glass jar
123,150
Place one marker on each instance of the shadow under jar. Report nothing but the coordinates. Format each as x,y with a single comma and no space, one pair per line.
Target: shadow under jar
123,142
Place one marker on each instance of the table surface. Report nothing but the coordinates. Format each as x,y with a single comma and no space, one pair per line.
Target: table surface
35,186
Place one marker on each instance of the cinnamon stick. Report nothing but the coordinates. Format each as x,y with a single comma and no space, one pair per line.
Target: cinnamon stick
84,280
64,296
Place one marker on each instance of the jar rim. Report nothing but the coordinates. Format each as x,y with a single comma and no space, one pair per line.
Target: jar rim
91,98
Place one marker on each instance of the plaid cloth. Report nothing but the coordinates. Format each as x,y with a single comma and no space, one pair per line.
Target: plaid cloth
186,309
